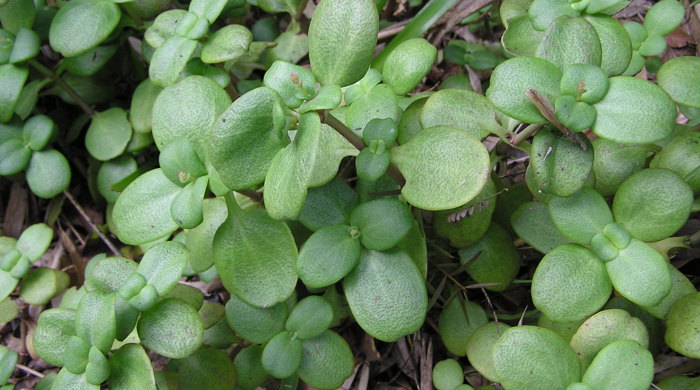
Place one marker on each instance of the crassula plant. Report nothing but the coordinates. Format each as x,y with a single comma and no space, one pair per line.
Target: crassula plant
289,193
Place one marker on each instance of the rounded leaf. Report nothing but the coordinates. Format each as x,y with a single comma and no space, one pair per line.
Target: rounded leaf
614,162
444,167
629,102
386,294
111,173
407,64
493,259
171,328
480,348
142,211
677,76
466,110
513,78
42,285
55,327
326,361
342,37
580,216
447,374
457,322
532,223
555,46
328,255
14,156
208,368
682,155
652,204
255,324
108,134
614,42
681,287
382,223
570,284
621,364
560,166
228,43
130,368
529,357
48,173
282,355
81,25
640,274
683,324
310,317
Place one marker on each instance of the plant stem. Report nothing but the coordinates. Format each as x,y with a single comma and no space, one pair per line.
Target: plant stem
63,85
545,108
30,371
357,142
82,213
526,133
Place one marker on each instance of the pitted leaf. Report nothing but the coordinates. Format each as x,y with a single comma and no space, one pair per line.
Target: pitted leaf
48,173
255,256
580,216
560,166
444,167
634,367
465,110
226,44
142,211
328,255
108,134
81,25
169,60
246,137
171,328
555,46
130,368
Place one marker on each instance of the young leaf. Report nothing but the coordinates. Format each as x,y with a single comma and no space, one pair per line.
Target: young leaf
171,328
81,25
186,208
108,134
444,167
227,44
342,37
407,64
560,166
199,240
245,139
387,283
255,256
48,173
382,223
142,211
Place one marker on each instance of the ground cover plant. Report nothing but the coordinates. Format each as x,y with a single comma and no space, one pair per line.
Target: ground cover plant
233,194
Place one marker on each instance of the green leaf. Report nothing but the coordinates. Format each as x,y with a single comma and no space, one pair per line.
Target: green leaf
294,83
681,286
142,211
681,155
457,322
447,374
328,158
480,348
563,298
521,38
544,12
379,103
8,359
171,328
326,361
108,134
290,47
497,262
95,320
290,171
560,166
249,371
227,44
330,204
309,318
142,102
255,324
512,79
587,83
278,6
615,44
48,173
180,162
111,173
614,162
382,223
199,240
327,98
634,367
163,27
652,204
163,264
14,156
631,101
17,14
677,76
255,256
682,322
247,136
81,25
207,9
555,46
108,274
465,110
38,131
466,224
88,63
42,285
532,223
8,310
208,368
604,328
55,327
388,283
12,80
186,208
580,216
27,99
663,17
130,368
407,64
342,37
169,60
371,166
444,167
542,359
26,46
608,7
66,380
640,274
282,355
328,255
